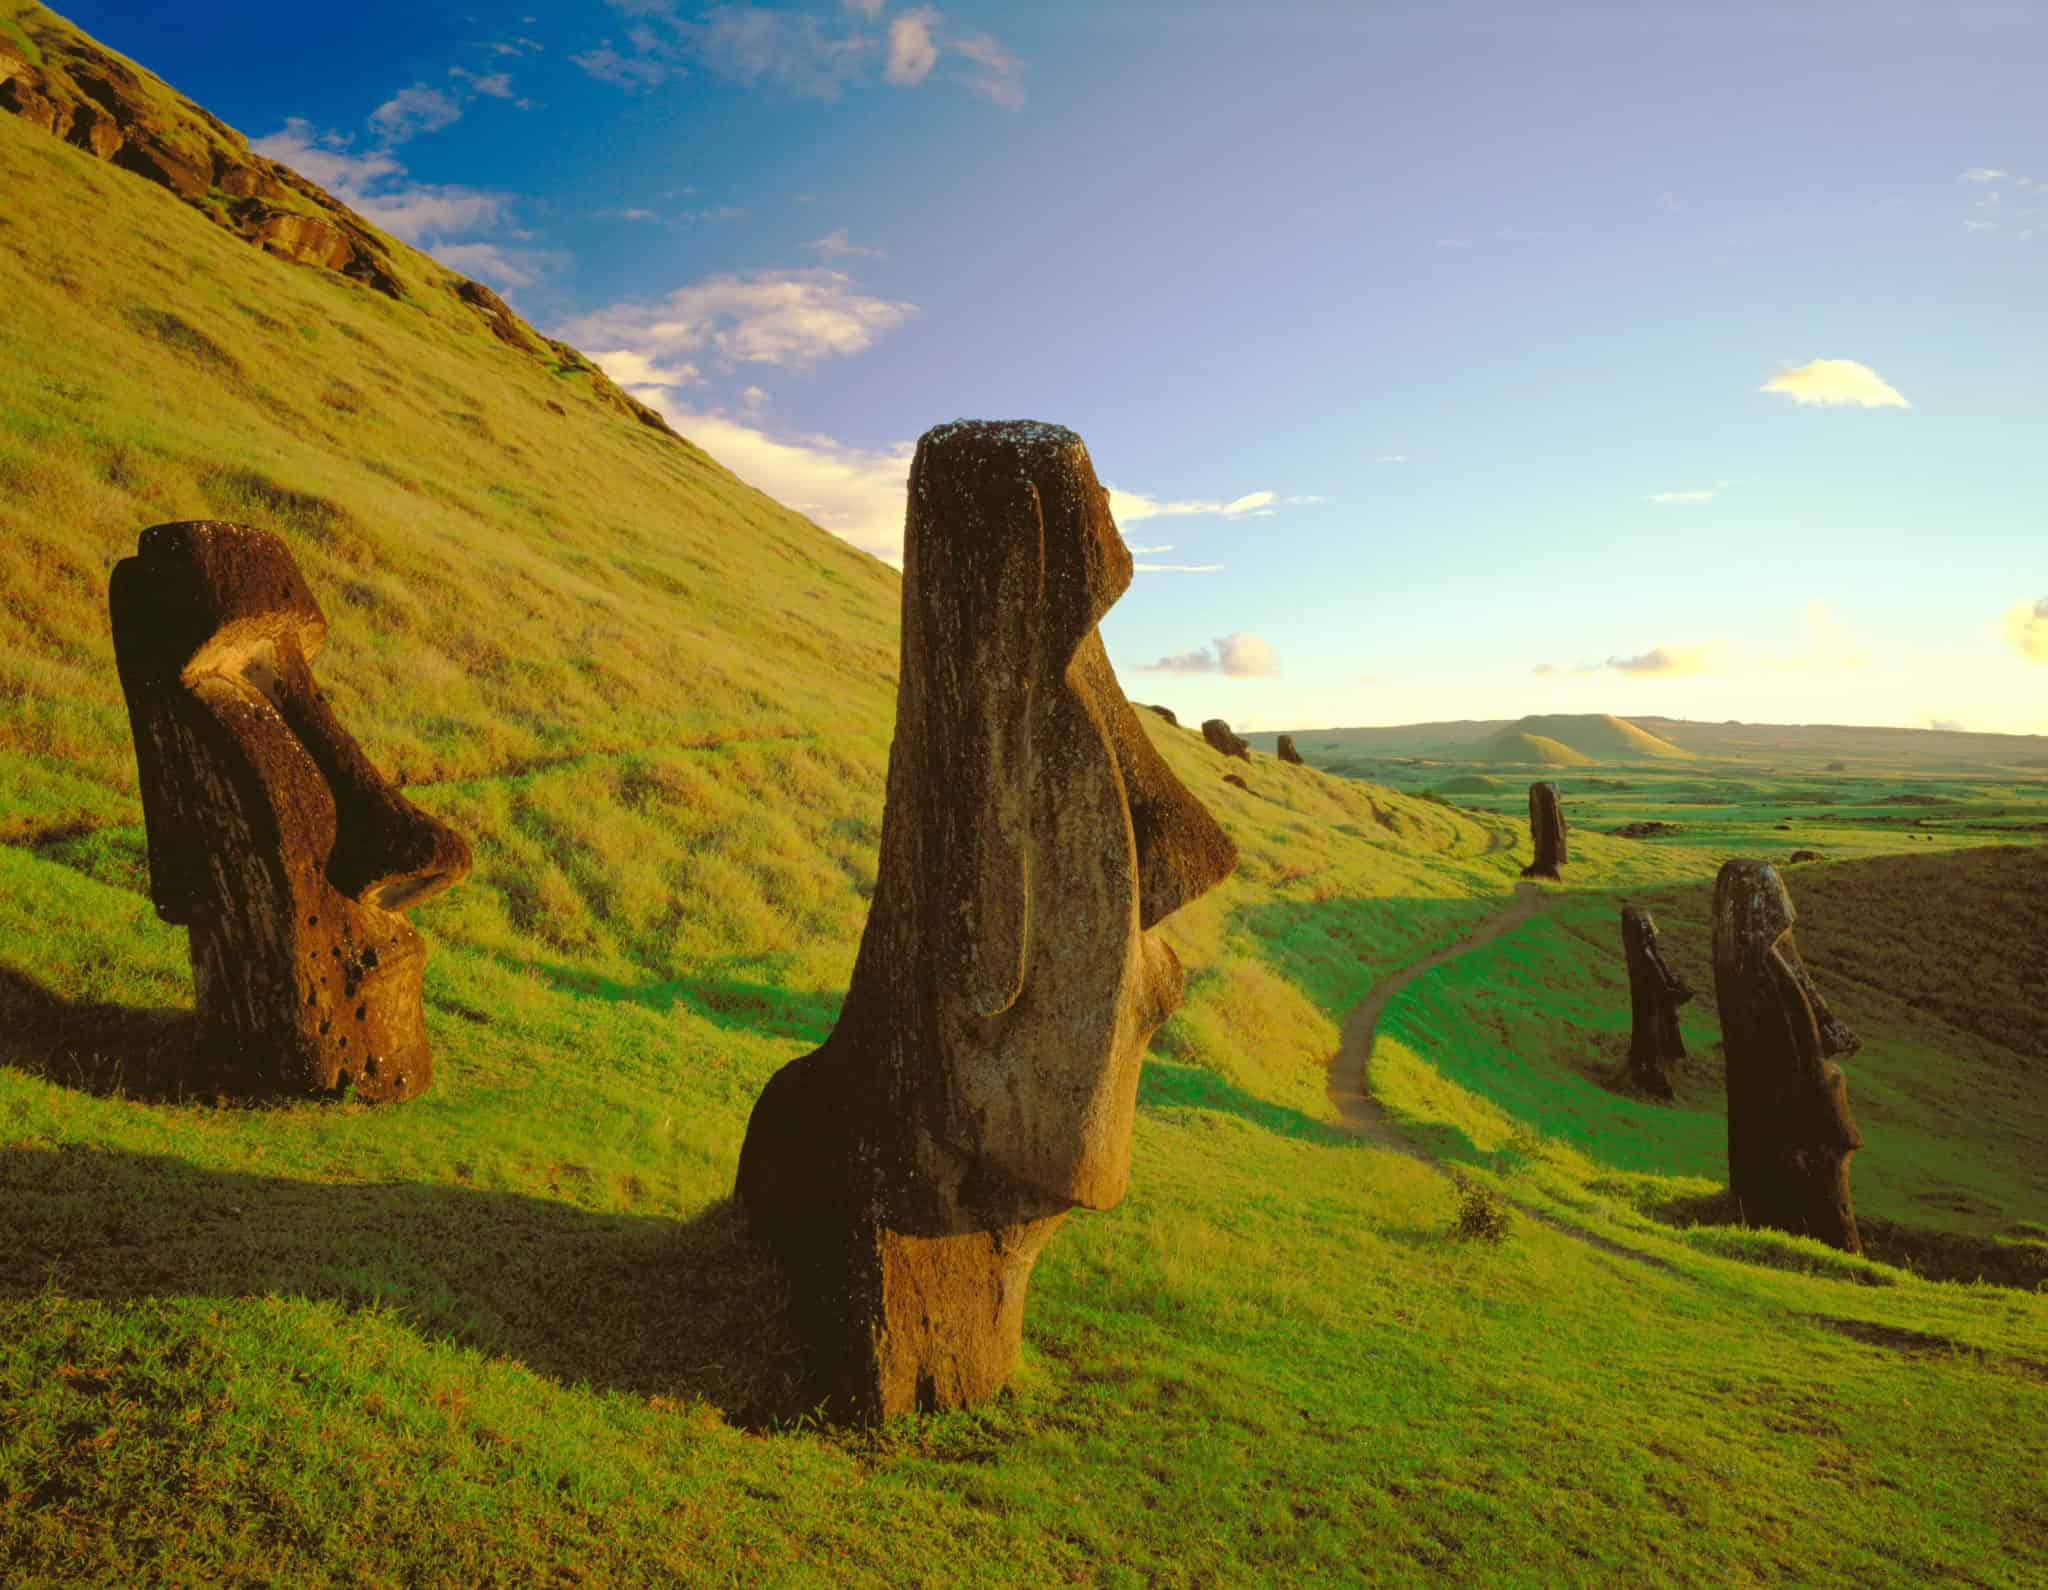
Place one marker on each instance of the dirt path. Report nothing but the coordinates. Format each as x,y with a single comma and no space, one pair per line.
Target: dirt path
1356,1107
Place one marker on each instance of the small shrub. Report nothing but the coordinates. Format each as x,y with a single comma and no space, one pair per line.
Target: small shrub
1482,1213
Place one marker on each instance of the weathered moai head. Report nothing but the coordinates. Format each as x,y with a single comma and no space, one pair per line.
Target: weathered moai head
1546,828
1219,735
983,1076
1166,713
1655,992
1790,1133
1286,751
271,837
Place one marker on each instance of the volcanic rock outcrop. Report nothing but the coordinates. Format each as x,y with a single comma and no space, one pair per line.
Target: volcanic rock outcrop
1790,1133
1286,751
1655,992
1546,828
1218,734
983,1076
271,837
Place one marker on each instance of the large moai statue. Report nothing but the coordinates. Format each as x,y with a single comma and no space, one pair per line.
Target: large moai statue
1546,827
983,1076
1655,992
1286,751
271,837
1790,1133
1219,735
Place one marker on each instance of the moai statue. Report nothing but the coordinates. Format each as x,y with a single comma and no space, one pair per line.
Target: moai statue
983,1077
1167,714
1218,734
289,858
1287,752
1790,1133
1655,992
1546,827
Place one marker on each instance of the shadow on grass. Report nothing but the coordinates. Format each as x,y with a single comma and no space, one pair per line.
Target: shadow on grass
733,1003
639,1303
141,1054
1164,1085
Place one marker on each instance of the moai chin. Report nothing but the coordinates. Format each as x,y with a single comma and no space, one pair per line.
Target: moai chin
1286,752
1546,828
287,856
983,1076
1223,740
1655,992
1790,1133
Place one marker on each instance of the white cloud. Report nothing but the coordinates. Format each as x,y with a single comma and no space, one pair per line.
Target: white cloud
519,46
1129,507
837,245
1983,174
793,52
376,185
1177,568
493,85
1833,382
792,318
629,72
414,110
502,268
1705,494
1827,643
625,215
1242,655
997,75
912,54
636,372
1391,458
1137,551
2026,629
1669,662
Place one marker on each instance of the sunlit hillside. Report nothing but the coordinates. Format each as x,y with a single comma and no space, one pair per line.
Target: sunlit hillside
514,1331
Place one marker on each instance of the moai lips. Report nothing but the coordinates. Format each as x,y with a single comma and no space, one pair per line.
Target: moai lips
272,839
983,1076
1790,1133
1546,828
1655,992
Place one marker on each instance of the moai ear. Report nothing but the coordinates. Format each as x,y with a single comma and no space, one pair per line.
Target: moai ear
974,606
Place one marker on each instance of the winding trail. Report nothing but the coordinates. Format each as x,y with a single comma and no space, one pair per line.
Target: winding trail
1356,1107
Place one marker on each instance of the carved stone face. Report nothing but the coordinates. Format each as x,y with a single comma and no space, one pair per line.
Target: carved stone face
1033,836
271,837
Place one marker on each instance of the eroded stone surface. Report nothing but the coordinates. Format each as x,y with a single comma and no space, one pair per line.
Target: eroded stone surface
1790,1133
983,1076
1655,992
1286,752
288,857
1219,735
1547,829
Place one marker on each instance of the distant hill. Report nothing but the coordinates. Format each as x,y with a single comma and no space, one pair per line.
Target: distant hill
1587,737
1540,750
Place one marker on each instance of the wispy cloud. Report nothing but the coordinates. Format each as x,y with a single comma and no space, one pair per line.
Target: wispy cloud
1391,458
837,245
375,183
912,55
1129,507
2026,629
644,68
1242,655
1834,383
1703,494
1826,644
492,85
637,373
993,73
1984,174
414,110
1177,568
503,268
1667,662
793,318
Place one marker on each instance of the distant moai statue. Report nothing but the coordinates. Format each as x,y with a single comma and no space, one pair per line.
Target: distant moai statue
1218,734
1790,1133
289,858
1655,992
1546,827
1166,713
982,1079
1287,752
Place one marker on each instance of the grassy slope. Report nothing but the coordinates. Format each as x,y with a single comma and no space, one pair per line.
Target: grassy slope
512,1330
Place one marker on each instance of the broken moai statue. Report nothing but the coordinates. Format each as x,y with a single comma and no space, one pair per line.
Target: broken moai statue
1286,751
1546,827
1790,1133
1218,734
983,1076
1655,992
288,857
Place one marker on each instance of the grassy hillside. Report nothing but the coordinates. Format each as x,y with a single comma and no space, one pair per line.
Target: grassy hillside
513,1332
1524,749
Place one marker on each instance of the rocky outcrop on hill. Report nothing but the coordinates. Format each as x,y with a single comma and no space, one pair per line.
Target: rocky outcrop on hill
1286,751
1218,734
983,1077
1648,828
75,90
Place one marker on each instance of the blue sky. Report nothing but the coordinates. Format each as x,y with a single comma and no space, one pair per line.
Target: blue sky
1452,359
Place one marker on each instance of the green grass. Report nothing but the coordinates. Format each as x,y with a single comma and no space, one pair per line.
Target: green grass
513,1331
